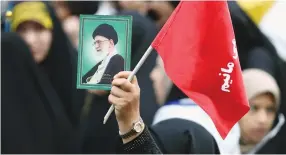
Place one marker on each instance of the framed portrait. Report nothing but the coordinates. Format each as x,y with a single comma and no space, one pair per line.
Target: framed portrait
104,50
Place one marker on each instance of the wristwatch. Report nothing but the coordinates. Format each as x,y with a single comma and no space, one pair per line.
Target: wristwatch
137,128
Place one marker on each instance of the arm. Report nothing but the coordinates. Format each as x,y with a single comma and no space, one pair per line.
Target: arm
141,143
125,96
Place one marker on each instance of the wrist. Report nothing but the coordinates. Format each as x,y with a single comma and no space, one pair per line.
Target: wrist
128,133
129,139
126,125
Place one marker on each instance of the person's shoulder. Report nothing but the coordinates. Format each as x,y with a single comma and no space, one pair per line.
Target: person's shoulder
117,57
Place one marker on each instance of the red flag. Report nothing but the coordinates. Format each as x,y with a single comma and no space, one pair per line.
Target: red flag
198,48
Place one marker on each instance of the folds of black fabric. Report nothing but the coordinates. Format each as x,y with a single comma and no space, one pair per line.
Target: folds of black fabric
33,119
49,112
179,136
61,66
104,136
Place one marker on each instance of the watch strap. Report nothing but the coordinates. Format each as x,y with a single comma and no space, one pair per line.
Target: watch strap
128,134
132,132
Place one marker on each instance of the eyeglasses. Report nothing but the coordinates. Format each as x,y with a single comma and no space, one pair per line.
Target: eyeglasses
99,42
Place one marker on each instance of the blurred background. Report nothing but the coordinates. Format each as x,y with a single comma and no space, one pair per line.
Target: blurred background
51,31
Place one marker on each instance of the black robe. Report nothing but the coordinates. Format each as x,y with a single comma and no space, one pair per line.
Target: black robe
61,68
33,119
49,112
115,65
179,136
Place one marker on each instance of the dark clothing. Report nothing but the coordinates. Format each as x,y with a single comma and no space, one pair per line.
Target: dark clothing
175,94
115,65
40,105
33,119
179,136
61,68
276,145
94,132
143,144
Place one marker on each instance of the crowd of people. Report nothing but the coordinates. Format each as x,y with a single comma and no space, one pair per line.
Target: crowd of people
42,111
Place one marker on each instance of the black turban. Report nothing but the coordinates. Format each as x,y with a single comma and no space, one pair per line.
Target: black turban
174,3
107,31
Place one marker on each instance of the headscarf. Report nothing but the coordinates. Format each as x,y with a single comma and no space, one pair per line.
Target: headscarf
257,81
180,136
60,63
33,118
30,11
61,67
104,136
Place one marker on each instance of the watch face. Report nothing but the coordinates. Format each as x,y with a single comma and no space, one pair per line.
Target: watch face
138,127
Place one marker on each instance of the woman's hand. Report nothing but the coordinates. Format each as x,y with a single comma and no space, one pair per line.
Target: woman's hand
125,96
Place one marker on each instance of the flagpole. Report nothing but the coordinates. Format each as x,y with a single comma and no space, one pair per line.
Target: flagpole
130,77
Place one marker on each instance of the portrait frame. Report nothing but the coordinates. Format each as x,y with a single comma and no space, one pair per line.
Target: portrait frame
87,62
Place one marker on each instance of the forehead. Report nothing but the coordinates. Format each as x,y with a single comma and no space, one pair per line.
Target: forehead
264,99
100,38
31,23
32,26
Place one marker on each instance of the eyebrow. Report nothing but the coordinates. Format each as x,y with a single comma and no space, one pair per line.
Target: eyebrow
101,40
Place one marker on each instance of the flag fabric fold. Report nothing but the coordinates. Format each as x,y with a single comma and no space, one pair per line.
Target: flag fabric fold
198,48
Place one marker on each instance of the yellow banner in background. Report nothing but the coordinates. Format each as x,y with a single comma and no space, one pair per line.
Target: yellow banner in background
256,9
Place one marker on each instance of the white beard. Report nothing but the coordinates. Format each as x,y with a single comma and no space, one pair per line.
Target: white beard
101,68
99,56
